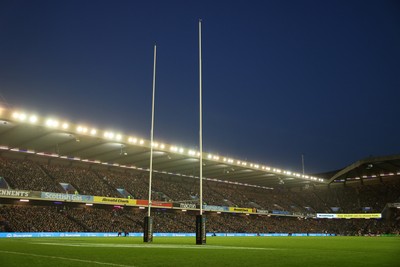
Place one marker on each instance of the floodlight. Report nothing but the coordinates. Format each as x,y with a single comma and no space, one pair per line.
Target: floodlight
132,140
22,116
33,119
109,135
93,132
141,142
209,156
162,146
52,123
65,125
15,115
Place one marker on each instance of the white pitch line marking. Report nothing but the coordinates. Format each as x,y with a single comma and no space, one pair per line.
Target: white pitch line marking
63,258
103,245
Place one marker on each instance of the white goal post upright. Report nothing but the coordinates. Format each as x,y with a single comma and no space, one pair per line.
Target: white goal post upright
200,219
148,221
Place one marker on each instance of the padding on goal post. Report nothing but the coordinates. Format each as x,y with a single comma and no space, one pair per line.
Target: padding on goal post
200,230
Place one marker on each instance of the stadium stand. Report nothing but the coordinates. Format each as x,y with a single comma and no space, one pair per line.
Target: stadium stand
47,176
56,219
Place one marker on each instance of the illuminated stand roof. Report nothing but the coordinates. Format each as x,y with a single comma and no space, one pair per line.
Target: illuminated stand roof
49,136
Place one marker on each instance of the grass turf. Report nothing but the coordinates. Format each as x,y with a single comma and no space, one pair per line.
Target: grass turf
219,251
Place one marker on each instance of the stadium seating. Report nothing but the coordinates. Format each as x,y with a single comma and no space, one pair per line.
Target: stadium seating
25,174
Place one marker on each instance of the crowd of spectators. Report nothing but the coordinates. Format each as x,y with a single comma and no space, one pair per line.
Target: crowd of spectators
26,175
85,181
89,219
101,220
132,181
37,219
46,176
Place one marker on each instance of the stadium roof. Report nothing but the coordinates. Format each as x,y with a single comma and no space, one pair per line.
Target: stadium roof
371,168
34,135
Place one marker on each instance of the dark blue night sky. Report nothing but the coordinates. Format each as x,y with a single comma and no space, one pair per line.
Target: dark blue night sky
280,78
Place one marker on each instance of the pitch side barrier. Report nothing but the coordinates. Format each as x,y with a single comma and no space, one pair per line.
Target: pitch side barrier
113,234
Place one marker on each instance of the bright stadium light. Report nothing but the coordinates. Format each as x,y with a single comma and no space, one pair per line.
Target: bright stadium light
15,115
22,117
141,141
33,119
65,126
93,132
109,135
132,140
52,123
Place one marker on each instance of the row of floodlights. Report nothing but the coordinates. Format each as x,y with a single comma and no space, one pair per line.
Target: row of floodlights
81,129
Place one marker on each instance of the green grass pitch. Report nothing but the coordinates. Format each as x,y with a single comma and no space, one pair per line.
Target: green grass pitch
219,251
